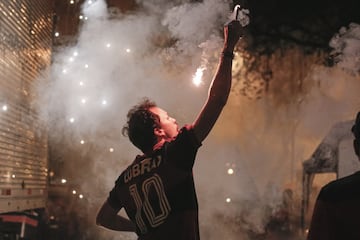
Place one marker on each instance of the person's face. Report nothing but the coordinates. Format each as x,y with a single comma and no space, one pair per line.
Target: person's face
168,125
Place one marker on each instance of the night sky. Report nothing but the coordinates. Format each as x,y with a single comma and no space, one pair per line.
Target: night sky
307,23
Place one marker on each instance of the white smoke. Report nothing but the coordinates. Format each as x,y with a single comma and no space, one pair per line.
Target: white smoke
346,45
153,52
118,59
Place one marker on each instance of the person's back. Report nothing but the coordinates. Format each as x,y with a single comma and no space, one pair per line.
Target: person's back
337,209
161,182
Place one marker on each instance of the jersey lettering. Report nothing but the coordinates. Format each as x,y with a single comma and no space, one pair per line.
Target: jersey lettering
141,168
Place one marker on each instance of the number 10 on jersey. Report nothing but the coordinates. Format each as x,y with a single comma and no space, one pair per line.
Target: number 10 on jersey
147,206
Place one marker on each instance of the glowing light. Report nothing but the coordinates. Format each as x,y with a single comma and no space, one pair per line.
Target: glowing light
81,196
64,71
111,150
72,120
104,102
4,108
197,78
86,18
83,101
63,180
71,59
228,200
82,141
13,176
81,17
86,66
72,1
108,45
74,192
75,54
57,34
51,173
81,83
128,50
90,2
230,171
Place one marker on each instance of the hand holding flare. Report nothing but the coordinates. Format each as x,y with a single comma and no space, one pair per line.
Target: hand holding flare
240,15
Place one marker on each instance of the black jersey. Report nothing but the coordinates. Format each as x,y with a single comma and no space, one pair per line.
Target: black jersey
158,193
337,210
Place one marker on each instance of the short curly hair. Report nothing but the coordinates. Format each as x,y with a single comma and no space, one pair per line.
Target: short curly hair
140,125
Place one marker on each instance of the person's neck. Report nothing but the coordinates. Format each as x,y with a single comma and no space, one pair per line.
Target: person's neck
159,144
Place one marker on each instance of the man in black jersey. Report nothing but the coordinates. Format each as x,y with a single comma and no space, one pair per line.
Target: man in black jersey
157,190
337,209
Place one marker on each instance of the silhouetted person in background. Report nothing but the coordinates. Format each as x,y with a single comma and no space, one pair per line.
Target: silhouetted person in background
336,213
157,190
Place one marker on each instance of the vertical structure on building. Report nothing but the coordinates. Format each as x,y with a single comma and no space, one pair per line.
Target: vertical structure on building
25,55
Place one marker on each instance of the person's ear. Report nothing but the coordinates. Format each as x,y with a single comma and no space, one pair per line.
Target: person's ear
356,147
159,132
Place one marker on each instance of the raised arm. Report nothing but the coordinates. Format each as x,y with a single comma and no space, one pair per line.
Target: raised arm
220,87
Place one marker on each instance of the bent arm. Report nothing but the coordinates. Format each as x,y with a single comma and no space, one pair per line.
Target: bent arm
220,87
109,218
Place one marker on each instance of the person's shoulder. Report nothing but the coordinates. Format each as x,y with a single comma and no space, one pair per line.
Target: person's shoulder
121,177
342,189
187,128
187,133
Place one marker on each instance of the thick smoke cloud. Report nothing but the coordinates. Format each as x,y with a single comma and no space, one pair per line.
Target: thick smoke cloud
154,52
346,47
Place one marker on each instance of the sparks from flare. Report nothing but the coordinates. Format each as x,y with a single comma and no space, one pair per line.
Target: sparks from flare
197,78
